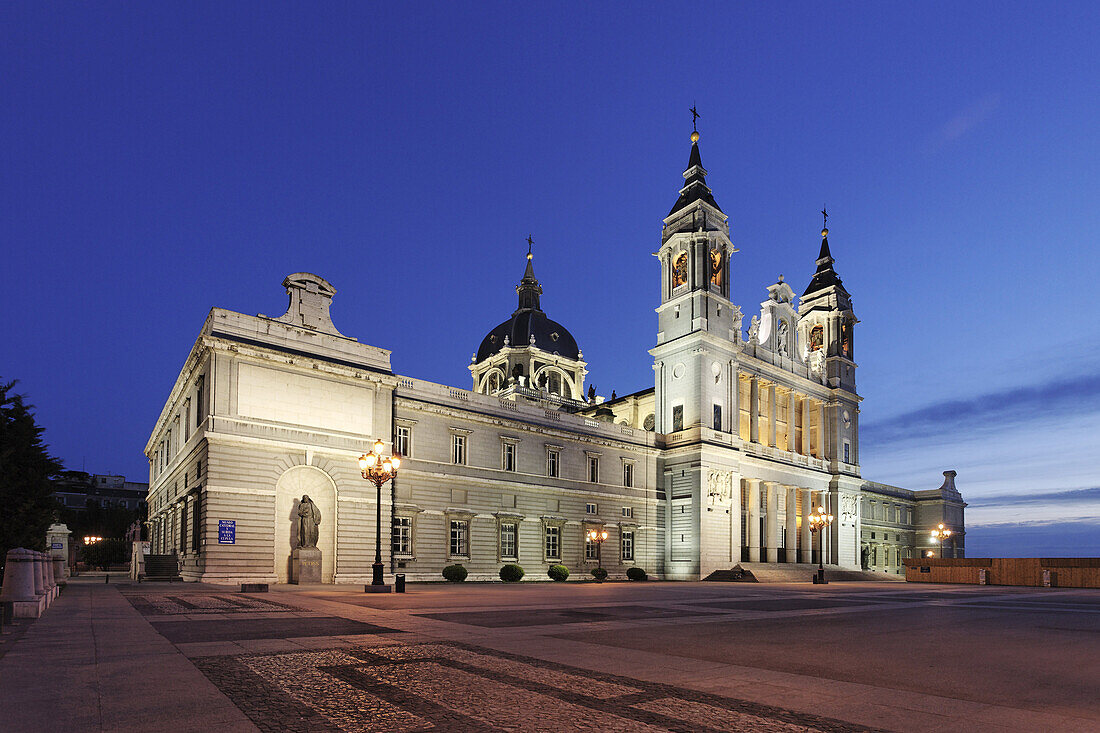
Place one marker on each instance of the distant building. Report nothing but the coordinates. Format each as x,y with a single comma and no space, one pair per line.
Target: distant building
721,461
76,488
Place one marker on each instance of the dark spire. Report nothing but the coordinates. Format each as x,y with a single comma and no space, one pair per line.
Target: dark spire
529,289
825,276
695,189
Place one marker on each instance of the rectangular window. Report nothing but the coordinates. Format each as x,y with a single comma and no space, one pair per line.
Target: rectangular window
458,450
200,405
628,474
198,470
590,549
594,469
402,441
718,418
460,538
402,536
847,452
677,418
553,543
590,508
196,522
628,512
627,543
508,456
553,458
182,537
508,541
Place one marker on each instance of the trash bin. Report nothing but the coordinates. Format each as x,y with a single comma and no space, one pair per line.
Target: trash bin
399,583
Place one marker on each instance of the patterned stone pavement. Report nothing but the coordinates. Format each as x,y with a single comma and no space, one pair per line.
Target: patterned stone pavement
184,603
451,686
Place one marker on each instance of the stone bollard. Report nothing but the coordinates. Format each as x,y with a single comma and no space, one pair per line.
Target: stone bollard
46,589
47,566
36,564
58,564
20,586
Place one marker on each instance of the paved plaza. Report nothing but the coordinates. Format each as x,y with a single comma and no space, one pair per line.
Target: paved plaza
545,656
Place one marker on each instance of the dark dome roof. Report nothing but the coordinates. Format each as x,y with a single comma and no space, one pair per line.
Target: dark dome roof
550,336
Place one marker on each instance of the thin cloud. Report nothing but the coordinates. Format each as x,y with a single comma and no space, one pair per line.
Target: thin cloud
991,412
1043,497
965,120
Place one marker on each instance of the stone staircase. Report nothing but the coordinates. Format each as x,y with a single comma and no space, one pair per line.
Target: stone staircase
162,568
779,572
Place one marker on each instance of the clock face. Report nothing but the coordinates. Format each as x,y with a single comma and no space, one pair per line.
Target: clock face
716,267
680,270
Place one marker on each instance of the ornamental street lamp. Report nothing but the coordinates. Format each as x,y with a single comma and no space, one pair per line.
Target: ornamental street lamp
940,533
819,520
598,536
378,469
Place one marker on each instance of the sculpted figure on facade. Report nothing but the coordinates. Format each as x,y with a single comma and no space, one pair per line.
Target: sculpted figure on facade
309,517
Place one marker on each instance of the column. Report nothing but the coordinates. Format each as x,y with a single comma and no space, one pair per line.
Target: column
821,431
735,521
791,406
772,404
804,532
771,522
792,524
754,409
752,521
805,426
735,400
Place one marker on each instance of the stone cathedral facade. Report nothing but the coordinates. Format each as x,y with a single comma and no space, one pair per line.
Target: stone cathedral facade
713,466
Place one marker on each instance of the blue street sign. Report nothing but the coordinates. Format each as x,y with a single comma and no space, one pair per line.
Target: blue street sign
57,546
227,531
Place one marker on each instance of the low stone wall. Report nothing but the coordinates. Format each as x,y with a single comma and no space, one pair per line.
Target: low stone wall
1061,572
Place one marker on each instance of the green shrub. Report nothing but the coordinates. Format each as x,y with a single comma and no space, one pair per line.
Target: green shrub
511,573
455,573
599,573
636,574
558,572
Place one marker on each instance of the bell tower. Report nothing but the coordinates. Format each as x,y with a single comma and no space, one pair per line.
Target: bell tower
698,328
826,330
826,323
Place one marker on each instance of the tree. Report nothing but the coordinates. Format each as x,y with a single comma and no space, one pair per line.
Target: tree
26,470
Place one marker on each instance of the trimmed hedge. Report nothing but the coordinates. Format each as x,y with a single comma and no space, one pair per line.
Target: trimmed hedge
455,573
511,573
599,573
636,574
558,572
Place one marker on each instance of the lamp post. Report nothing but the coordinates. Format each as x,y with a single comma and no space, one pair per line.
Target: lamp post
378,469
940,533
819,520
598,536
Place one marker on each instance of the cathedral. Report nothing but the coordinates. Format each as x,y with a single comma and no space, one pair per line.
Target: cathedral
715,467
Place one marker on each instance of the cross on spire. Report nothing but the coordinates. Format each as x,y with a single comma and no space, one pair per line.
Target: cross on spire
530,242
694,117
825,217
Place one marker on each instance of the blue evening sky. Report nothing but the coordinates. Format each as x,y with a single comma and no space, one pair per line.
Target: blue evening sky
161,159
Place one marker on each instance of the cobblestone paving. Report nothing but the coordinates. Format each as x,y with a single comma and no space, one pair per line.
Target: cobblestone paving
449,686
161,604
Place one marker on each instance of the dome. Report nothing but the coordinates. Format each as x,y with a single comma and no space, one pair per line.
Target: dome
550,336
529,324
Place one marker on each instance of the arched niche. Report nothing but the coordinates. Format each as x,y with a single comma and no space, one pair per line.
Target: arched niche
321,489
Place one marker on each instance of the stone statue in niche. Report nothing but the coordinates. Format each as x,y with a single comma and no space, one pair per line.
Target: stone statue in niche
309,517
